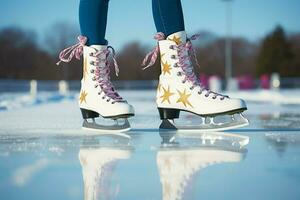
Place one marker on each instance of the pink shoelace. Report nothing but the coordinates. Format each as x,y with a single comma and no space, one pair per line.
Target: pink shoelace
184,61
75,50
101,73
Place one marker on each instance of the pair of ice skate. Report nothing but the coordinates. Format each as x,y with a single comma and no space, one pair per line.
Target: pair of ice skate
178,90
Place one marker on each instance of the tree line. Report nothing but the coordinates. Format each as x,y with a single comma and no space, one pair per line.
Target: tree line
22,57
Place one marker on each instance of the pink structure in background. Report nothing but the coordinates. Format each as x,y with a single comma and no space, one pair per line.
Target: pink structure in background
265,81
245,82
204,80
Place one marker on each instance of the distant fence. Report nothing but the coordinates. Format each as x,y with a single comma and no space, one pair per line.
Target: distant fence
290,82
25,85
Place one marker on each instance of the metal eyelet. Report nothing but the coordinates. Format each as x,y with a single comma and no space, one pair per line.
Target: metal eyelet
107,100
206,95
191,88
113,102
176,65
91,63
171,47
96,86
222,98
94,78
91,54
92,71
199,93
99,93
183,81
179,74
173,57
214,97
103,97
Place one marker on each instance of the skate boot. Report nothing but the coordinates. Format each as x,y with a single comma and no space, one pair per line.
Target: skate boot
180,90
97,94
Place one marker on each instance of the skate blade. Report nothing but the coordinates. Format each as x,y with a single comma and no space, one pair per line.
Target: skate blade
115,128
168,124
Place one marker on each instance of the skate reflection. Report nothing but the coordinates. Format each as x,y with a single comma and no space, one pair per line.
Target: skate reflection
280,142
98,157
182,157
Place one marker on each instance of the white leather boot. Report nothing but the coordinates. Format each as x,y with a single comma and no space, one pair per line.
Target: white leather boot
97,94
180,90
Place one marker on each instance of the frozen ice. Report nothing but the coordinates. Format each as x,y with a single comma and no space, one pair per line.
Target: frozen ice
44,153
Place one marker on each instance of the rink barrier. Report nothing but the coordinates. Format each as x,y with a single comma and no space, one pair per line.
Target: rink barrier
33,88
63,86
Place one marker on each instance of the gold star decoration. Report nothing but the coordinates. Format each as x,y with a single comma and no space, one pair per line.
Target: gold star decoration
183,98
175,39
166,95
83,95
166,68
85,67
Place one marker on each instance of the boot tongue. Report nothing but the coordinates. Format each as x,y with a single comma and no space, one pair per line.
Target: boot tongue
178,37
103,56
181,38
99,48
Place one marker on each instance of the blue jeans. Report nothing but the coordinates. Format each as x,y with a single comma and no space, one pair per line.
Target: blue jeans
167,15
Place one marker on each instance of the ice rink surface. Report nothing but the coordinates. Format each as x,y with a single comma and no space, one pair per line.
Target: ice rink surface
44,154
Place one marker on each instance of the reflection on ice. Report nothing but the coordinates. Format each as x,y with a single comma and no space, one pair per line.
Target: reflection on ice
98,162
24,174
281,120
281,141
97,168
179,163
204,139
182,165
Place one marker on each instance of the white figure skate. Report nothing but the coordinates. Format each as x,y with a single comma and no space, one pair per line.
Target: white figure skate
97,95
180,166
180,90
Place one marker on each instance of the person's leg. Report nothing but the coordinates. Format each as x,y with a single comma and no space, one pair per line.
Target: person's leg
93,20
168,16
98,97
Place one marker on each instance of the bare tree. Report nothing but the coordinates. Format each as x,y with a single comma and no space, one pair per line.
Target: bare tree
58,37
130,59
